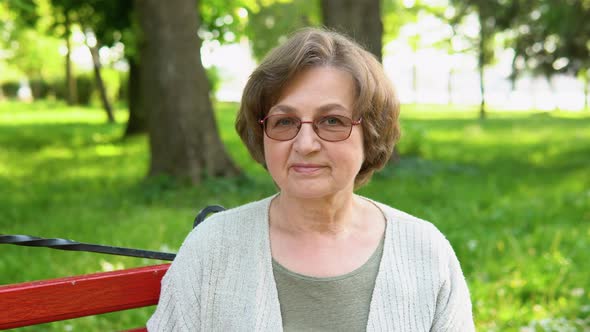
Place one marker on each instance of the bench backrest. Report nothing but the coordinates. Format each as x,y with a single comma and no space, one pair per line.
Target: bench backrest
52,300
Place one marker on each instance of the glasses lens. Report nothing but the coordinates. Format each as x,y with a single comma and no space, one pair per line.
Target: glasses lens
281,127
334,127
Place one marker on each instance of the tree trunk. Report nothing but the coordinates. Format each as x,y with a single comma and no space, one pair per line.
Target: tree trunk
360,19
586,88
415,79
450,86
72,91
482,105
552,86
183,137
414,42
99,82
481,64
533,93
36,85
137,122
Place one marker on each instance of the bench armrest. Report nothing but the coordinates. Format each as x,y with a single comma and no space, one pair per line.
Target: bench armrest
52,300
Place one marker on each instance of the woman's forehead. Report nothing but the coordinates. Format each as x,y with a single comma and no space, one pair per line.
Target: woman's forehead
315,91
324,109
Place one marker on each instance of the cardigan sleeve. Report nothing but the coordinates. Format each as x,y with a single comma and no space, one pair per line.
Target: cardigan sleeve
169,314
453,304
221,278
179,306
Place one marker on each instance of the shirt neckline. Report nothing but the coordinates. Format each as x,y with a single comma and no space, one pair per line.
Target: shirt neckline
376,254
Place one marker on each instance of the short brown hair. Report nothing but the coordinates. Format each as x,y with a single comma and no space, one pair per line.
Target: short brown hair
376,101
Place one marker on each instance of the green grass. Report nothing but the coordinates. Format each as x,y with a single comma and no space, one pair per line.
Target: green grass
512,194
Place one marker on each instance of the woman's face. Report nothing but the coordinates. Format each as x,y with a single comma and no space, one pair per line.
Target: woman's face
307,166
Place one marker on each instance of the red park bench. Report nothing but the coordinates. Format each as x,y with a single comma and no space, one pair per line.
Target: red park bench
45,301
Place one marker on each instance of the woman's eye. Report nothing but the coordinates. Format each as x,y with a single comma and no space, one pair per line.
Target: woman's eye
332,121
285,122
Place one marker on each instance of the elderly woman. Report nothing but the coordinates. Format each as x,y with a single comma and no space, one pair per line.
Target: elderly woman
321,116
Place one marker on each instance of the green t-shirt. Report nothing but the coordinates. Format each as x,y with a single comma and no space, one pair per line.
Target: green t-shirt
327,304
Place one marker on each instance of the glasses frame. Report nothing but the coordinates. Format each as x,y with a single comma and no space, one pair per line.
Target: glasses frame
313,125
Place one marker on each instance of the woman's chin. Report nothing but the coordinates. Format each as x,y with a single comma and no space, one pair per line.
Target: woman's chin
309,191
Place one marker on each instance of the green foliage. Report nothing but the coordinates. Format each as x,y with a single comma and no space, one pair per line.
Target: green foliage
40,89
10,89
123,87
26,46
35,54
511,194
214,79
493,17
553,38
263,22
221,20
112,81
271,24
85,85
115,85
396,14
25,10
107,19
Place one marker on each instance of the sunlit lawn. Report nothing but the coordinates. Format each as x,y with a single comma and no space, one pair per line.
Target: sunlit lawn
512,194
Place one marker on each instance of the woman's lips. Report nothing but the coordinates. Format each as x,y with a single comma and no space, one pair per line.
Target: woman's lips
306,168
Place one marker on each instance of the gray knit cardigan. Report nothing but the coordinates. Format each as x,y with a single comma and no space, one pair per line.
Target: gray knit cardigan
222,279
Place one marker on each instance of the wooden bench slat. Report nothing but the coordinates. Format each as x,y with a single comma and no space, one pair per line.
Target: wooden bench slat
71,297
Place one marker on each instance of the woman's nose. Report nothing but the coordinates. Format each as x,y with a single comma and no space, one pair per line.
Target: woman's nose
307,140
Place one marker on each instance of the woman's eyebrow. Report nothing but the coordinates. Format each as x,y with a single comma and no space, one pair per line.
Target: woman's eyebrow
332,107
282,109
322,109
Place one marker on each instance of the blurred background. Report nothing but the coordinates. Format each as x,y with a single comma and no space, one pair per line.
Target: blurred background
116,127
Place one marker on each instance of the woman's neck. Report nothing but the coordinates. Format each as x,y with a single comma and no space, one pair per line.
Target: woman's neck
324,237
331,216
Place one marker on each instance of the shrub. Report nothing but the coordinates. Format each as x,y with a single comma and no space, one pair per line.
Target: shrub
86,86
10,89
214,78
40,88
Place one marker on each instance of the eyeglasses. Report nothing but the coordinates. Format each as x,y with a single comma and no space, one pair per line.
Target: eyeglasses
331,128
